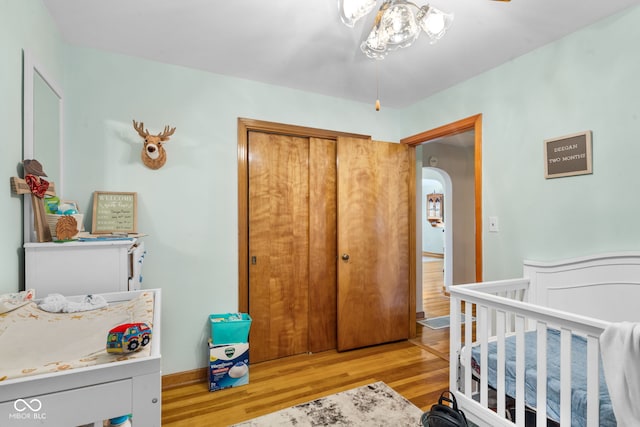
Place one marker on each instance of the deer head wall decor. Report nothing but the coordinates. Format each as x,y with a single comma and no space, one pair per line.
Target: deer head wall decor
153,154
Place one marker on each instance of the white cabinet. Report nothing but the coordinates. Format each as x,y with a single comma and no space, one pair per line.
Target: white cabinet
79,268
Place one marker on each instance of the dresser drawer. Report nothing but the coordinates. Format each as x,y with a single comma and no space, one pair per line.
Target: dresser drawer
90,404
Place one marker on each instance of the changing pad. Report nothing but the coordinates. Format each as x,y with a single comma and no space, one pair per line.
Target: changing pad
33,341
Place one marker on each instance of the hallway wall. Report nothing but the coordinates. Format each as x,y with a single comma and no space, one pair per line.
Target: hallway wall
458,162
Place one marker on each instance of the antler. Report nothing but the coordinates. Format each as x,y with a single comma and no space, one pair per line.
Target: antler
139,127
166,133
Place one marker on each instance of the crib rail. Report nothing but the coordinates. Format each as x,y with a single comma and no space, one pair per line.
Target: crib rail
501,309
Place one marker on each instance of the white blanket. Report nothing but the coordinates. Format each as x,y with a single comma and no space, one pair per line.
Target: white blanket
56,303
620,350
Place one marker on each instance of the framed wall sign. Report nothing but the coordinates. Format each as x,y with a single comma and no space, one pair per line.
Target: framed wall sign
568,155
114,212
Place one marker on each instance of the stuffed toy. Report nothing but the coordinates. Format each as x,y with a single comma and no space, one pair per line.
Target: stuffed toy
128,337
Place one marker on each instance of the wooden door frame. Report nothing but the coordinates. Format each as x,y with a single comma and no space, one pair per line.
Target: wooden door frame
464,125
244,127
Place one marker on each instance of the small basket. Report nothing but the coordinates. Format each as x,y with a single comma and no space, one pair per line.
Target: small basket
52,220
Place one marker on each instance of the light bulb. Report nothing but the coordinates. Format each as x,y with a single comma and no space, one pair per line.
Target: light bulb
435,23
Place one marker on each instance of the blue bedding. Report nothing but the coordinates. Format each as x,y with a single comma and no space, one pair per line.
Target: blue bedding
578,376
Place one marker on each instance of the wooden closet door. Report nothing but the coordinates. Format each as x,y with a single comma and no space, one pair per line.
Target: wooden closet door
322,244
278,245
373,242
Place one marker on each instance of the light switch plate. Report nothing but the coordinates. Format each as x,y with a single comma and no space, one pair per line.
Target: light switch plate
493,224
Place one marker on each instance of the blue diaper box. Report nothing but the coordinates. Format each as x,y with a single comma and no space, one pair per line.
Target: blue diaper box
228,365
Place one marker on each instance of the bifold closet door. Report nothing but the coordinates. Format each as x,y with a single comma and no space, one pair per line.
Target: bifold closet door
373,242
278,245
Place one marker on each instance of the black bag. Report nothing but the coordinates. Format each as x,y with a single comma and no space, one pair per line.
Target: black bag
442,415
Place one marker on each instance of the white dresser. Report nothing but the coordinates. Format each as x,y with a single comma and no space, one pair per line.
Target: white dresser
79,268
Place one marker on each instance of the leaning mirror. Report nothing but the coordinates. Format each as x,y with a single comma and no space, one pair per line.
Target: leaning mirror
42,129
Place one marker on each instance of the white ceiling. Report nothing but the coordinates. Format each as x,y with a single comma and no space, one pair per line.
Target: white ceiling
302,44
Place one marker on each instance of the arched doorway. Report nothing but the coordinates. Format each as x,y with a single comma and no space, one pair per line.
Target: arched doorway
447,238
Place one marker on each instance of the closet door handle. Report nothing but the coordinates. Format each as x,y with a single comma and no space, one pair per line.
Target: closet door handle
345,257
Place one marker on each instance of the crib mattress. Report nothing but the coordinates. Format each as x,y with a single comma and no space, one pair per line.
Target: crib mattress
578,376
34,341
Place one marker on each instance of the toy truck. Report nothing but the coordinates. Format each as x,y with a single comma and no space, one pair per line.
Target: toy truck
128,337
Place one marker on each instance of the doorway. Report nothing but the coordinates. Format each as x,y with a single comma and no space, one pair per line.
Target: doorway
470,124
436,240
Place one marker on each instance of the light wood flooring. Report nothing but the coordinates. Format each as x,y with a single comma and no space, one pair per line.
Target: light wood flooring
435,303
418,369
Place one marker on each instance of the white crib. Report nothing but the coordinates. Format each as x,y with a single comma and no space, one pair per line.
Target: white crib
572,299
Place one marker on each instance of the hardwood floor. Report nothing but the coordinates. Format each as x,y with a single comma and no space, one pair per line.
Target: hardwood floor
418,369
411,370
434,299
435,303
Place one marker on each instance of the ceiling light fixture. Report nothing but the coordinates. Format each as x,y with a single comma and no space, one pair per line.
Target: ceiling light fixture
397,24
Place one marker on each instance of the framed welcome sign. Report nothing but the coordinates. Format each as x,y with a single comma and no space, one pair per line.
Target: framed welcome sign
114,212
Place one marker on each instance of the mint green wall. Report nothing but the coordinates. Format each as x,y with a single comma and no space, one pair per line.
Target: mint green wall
587,81
24,24
189,206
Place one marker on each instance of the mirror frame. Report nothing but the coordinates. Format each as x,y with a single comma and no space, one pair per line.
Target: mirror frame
30,68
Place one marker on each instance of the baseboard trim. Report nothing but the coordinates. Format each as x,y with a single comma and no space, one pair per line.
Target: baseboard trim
420,315
179,379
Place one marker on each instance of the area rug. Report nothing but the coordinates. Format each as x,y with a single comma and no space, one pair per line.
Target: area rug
374,404
440,322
